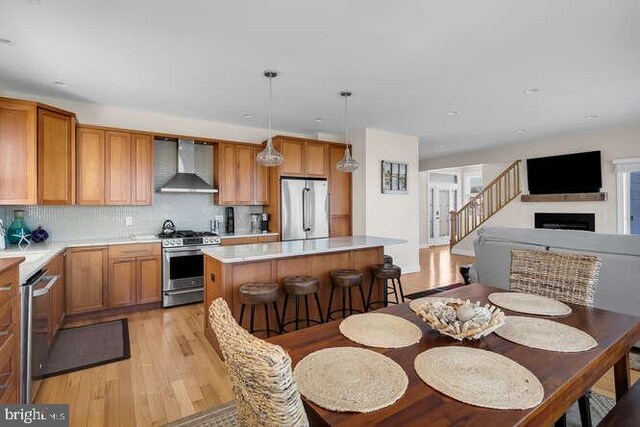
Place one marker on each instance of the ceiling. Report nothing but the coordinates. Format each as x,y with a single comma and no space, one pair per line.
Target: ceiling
409,63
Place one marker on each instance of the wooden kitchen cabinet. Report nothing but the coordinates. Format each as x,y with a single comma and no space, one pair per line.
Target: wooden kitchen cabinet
37,143
135,274
56,158
149,288
245,170
122,282
87,276
90,166
315,159
238,177
293,151
114,168
142,152
9,330
118,167
261,184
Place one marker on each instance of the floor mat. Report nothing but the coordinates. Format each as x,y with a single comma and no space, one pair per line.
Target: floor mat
87,346
430,292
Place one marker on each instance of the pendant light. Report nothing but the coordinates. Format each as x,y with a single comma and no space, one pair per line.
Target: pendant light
270,156
347,164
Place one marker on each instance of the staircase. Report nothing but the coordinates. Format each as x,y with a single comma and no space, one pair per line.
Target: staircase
486,203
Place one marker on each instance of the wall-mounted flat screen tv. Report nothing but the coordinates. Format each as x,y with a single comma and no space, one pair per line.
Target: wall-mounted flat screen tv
570,173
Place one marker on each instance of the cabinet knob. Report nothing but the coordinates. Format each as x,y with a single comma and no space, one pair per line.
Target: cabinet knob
213,277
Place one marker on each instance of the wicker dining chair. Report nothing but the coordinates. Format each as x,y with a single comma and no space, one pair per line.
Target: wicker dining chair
566,277
266,392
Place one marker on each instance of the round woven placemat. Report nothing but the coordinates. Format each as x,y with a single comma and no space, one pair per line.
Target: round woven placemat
380,330
416,303
529,304
545,334
479,377
350,379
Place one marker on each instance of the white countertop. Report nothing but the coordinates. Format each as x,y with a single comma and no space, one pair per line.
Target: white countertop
38,255
246,234
262,251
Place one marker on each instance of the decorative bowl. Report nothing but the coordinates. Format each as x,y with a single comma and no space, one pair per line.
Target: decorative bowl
461,319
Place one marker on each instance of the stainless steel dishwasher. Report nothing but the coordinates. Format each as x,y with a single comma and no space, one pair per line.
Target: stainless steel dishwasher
35,331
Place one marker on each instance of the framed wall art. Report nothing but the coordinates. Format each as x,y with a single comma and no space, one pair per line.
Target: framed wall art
394,177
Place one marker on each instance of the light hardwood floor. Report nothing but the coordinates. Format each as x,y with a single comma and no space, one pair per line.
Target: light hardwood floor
173,372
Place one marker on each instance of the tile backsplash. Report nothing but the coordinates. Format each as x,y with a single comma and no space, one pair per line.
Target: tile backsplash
187,211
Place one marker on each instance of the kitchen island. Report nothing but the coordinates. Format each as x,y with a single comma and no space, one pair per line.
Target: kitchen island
228,267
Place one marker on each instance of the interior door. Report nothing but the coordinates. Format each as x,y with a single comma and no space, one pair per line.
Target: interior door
634,203
442,200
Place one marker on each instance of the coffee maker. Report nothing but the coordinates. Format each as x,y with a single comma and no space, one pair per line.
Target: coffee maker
264,222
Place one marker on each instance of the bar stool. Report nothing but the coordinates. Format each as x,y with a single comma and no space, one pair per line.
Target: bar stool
386,272
299,286
345,279
260,293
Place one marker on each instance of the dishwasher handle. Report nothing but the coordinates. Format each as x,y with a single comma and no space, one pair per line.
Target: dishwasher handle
47,288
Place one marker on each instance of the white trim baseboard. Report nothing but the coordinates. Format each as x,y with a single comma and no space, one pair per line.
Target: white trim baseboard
465,252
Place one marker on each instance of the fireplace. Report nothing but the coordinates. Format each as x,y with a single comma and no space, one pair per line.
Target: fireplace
566,221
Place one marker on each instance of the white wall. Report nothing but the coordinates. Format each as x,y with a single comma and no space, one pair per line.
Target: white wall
614,144
388,215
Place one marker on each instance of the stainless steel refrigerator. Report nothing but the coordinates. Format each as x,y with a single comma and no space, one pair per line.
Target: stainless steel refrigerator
304,208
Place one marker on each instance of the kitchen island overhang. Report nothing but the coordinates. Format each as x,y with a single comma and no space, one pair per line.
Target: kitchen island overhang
228,267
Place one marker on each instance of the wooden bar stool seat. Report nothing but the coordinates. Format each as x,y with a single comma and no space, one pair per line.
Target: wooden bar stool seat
386,272
298,287
345,280
260,293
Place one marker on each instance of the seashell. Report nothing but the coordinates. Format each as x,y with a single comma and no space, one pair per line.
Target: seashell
481,315
466,312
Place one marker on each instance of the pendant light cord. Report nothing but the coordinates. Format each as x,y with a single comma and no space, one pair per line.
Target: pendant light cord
346,120
270,103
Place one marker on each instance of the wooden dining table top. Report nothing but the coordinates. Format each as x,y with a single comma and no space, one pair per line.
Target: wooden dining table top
564,376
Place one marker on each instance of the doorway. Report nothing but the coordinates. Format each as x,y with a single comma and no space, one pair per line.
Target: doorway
628,195
443,198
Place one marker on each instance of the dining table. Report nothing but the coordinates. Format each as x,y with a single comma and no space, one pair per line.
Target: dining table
565,376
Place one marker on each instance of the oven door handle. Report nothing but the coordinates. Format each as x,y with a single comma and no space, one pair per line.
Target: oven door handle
40,292
185,291
183,251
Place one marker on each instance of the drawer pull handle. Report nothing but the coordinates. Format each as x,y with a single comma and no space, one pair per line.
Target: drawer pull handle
4,333
7,287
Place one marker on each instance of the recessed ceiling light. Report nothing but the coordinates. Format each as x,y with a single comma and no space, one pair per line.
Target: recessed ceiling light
591,117
5,41
441,146
530,91
454,112
318,119
247,116
60,83
521,130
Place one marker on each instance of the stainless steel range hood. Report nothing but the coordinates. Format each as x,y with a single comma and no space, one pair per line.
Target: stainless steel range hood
186,180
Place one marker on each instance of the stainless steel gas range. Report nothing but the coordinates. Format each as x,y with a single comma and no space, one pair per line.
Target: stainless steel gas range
183,265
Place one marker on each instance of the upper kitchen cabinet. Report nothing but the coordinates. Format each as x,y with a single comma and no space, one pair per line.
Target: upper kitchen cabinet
142,149
37,145
302,157
90,166
237,176
114,167
56,158
118,166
